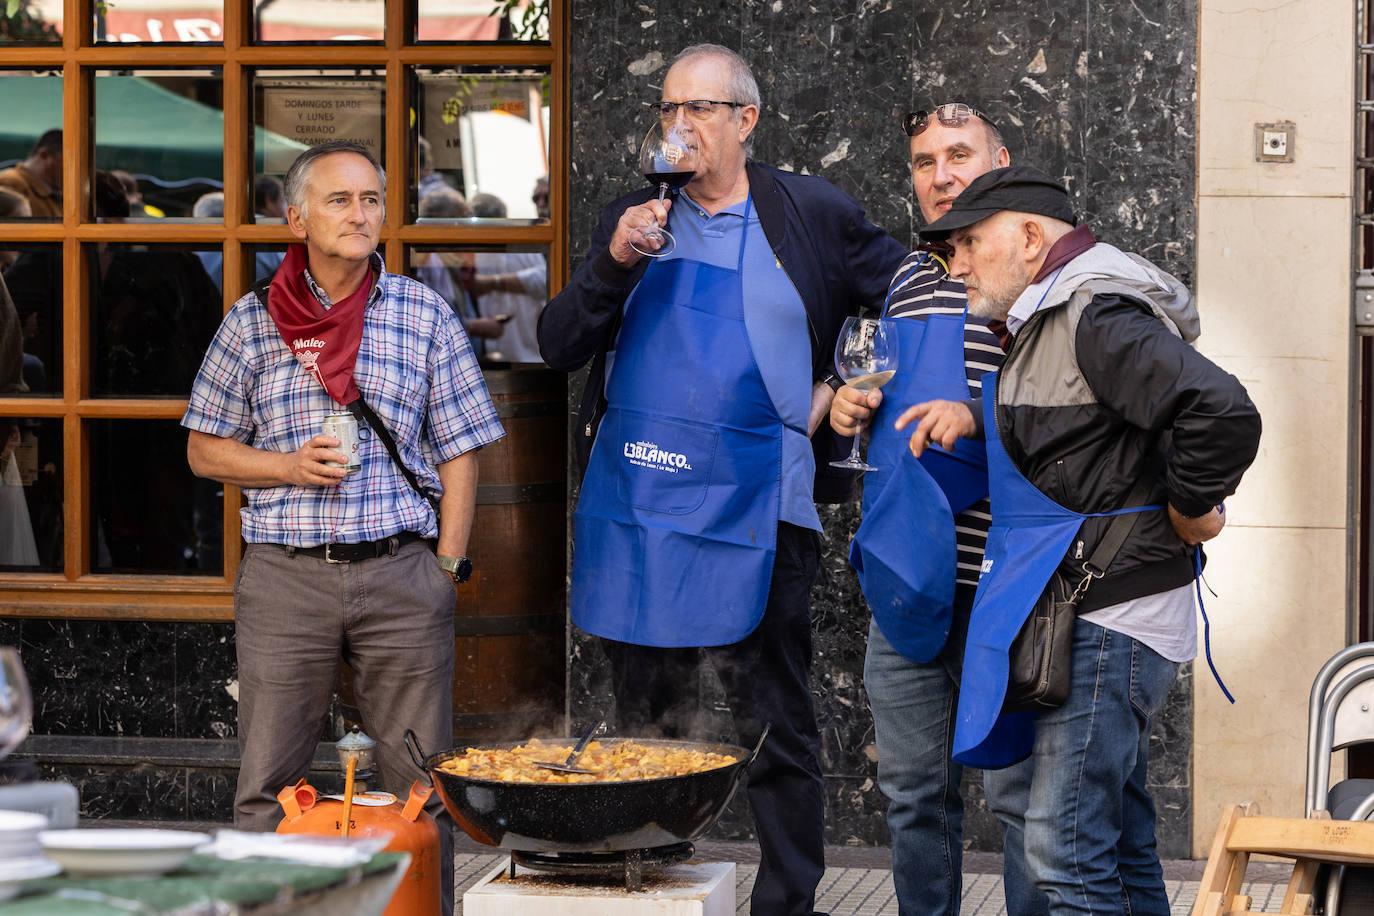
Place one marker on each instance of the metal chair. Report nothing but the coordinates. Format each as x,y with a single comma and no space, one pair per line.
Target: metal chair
1341,715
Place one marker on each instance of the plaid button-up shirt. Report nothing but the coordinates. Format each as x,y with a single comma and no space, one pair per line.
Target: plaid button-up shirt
415,368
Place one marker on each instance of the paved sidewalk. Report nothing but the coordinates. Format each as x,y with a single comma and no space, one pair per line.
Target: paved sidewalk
860,885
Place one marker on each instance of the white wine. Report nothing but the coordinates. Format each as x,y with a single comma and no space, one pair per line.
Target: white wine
871,381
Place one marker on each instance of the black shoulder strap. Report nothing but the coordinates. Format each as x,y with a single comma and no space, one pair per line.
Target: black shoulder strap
1117,532
364,413
260,289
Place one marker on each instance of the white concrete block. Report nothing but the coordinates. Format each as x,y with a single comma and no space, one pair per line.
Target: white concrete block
691,889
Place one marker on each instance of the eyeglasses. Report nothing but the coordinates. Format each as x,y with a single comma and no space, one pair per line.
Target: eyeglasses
697,109
952,114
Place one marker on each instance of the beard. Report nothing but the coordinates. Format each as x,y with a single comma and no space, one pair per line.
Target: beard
998,286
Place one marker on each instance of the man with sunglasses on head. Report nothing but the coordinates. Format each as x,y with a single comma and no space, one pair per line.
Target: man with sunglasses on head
697,537
920,546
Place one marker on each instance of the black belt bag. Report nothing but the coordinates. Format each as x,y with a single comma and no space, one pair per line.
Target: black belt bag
1040,659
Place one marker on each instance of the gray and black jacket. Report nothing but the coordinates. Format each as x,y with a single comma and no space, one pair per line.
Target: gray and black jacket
1100,388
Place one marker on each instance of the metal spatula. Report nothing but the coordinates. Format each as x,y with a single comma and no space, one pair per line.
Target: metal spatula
570,765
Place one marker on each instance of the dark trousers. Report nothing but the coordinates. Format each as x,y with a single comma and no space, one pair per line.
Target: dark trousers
767,680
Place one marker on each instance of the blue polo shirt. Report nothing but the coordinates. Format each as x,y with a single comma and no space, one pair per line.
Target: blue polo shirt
775,320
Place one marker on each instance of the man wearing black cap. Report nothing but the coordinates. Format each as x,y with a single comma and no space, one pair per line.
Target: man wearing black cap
1101,410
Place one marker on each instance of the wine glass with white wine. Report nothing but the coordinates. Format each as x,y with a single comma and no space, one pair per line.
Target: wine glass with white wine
16,703
866,358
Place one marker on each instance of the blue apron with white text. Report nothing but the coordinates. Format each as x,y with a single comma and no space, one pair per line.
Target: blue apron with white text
1030,535
904,551
676,525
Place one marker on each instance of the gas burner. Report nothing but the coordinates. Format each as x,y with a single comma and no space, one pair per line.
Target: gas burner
630,863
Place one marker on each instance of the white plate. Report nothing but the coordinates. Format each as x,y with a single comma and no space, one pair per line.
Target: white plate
21,822
22,848
14,873
127,853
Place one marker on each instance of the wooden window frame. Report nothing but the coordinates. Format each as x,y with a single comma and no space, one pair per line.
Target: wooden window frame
77,592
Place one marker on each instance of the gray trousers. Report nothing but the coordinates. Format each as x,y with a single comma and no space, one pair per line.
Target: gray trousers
295,616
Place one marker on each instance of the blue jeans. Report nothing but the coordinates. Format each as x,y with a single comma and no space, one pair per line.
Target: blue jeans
1088,821
913,721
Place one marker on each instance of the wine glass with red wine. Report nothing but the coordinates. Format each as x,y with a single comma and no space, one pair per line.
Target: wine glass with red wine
668,158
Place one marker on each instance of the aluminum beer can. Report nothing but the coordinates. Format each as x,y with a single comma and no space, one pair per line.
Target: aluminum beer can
344,427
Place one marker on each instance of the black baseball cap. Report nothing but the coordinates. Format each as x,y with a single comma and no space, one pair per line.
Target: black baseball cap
1022,188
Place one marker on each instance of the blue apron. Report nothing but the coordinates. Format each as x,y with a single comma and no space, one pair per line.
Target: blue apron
1029,536
676,525
905,551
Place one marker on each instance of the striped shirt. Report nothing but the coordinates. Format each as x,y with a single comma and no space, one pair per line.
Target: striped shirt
415,368
925,290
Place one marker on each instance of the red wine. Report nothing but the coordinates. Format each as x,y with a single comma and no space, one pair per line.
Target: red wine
673,180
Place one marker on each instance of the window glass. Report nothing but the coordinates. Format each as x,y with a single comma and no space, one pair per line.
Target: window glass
154,309
160,135
150,514
33,276
159,21
497,292
303,21
31,145
484,133
265,259
293,112
483,20
31,494
31,22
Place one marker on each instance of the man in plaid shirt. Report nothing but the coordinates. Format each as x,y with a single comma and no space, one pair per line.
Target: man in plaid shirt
341,563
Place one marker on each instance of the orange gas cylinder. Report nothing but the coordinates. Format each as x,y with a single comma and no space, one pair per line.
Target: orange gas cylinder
371,814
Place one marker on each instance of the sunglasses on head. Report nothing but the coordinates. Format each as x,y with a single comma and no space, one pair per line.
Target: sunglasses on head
952,114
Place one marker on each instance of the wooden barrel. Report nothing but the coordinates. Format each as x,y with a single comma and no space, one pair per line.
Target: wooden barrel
509,621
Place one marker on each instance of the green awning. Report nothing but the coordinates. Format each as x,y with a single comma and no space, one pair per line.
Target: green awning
140,127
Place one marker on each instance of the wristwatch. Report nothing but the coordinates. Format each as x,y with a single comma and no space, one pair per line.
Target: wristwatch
460,568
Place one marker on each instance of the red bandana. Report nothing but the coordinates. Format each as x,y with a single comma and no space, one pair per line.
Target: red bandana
324,340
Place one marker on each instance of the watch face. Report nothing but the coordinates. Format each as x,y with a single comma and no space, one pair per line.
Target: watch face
463,571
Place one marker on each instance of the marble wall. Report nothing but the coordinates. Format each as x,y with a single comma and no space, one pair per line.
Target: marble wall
1102,95
138,716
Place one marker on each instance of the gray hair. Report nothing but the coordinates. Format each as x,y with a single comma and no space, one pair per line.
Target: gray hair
739,84
298,176
444,203
994,135
209,206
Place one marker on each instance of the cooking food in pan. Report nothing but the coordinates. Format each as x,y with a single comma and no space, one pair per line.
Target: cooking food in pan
622,761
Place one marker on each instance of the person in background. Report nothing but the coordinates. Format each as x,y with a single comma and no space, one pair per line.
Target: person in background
38,178
697,536
540,196
340,562
510,284
13,206
1103,425
450,273
920,613
137,208
430,180
267,198
211,206
33,277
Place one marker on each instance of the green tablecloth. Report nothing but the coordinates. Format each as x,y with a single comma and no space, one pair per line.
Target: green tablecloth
197,887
